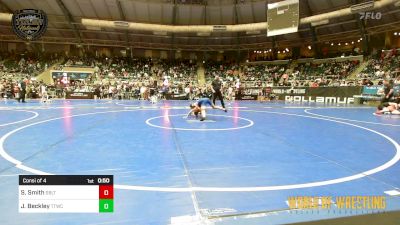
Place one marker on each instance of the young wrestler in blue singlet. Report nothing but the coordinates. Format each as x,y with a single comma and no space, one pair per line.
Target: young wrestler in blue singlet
200,107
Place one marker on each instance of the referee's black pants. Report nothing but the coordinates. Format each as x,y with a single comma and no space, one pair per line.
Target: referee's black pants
384,99
22,94
219,95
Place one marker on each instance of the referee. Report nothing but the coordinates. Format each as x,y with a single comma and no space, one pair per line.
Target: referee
388,90
216,86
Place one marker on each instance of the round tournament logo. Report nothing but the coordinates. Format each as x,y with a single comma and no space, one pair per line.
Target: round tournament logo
29,24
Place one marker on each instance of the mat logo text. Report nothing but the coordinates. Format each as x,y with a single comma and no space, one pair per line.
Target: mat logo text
341,202
319,99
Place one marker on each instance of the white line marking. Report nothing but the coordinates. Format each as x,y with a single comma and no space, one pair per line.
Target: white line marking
392,192
9,175
18,163
174,107
85,104
64,107
28,107
101,107
257,215
198,121
20,121
150,107
31,170
187,220
118,103
297,107
339,118
251,123
112,169
113,222
384,166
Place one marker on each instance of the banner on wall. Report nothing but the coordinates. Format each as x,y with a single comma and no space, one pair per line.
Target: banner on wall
308,94
341,95
249,93
378,89
74,75
79,95
372,90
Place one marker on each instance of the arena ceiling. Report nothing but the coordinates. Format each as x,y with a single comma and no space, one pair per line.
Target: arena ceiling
65,22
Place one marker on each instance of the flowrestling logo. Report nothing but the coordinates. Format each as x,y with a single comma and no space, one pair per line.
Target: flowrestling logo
29,24
370,15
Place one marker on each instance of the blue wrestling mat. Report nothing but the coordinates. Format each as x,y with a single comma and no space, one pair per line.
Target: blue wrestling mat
239,167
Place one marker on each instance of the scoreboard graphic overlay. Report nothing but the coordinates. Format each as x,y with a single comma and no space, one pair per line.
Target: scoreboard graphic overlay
66,193
283,17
